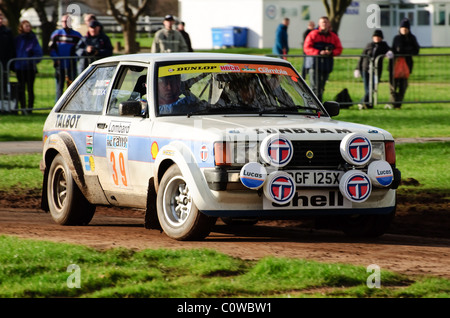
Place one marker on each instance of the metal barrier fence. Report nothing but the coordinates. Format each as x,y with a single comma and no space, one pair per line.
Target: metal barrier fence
44,84
428,83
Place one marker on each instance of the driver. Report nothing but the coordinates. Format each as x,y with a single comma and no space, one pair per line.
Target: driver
169,96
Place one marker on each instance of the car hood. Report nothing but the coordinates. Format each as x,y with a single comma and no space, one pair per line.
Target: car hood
294,127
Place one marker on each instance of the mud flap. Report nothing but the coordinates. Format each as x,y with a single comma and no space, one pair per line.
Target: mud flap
151,216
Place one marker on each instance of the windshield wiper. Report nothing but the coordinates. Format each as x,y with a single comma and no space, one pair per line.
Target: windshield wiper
288,108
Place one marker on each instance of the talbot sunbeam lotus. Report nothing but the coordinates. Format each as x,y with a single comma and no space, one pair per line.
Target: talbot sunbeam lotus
192,138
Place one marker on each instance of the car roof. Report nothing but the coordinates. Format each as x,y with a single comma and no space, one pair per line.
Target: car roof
176,57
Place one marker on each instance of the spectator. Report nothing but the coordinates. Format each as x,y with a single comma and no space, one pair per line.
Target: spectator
168,40
405,43
281,46
185,35
87,18
321,44
63,43
95,45
27,46
6,49
311,26
368,56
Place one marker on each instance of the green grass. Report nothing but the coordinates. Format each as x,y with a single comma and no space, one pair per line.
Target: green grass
413,120
40,269
22,128
427,163
20,173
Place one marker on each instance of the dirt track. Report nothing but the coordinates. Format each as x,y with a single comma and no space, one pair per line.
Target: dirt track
417,244
425,253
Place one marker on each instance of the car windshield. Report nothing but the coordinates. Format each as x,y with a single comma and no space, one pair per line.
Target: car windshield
232,88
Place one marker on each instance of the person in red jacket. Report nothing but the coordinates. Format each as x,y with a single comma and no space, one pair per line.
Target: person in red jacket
321,45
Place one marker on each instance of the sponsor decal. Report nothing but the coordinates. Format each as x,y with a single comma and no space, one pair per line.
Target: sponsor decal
225,67
246,68
356,149
355,185
119,127
89,164
253,175
301,131
117,153
155,149
380,173
279,188
189,68
204,153
230,68
277,150
67,121
312,200
89,144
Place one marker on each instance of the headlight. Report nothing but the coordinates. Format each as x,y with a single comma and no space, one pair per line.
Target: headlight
384,151
378,150
236,154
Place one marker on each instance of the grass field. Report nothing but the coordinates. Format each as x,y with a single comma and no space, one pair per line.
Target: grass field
43,269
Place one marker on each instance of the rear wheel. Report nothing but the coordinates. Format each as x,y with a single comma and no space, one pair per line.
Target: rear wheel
177,213
66,203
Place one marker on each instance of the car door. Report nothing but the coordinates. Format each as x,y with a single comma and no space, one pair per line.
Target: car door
124,159
80,112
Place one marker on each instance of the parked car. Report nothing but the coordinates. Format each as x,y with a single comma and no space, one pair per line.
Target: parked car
195,137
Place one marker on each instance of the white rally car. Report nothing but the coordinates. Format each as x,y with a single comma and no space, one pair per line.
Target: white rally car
194,137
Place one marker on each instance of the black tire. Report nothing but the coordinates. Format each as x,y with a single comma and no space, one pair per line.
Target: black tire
367,225
178,215
66,203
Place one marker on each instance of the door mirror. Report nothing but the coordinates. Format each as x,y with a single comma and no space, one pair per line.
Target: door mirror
332,108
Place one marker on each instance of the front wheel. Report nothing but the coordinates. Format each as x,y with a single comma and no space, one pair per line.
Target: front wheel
66,203
177,213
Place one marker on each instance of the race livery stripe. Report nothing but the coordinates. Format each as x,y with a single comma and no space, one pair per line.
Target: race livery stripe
225,67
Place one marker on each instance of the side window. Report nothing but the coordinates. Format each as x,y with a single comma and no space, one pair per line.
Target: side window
131,85
91,95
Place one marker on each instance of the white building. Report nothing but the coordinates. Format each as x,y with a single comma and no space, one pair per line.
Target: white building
430,20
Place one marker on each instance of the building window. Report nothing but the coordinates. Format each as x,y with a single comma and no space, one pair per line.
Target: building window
407,14
423,17
385,15
439,15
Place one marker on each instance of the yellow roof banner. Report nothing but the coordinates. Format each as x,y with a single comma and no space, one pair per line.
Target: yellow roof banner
225,68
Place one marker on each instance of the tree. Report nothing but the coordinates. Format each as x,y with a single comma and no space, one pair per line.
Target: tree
11,10
47,26
128,21
335,11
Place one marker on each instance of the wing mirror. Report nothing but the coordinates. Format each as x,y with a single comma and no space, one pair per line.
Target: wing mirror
332,108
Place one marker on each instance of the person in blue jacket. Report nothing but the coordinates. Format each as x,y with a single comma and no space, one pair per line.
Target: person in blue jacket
281,46
62,43
27,46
